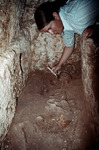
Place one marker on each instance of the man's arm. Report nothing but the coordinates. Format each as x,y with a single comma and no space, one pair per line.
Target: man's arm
65,55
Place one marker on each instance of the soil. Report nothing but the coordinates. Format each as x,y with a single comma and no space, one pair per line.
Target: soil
51,113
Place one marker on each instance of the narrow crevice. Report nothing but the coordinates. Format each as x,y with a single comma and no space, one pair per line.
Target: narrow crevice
20,62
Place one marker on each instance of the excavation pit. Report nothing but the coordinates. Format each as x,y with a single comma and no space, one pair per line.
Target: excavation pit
51,114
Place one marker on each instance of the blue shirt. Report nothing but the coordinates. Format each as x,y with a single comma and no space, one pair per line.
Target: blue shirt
76,16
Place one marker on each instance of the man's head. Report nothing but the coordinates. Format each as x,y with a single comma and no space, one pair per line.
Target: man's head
47,17
55,26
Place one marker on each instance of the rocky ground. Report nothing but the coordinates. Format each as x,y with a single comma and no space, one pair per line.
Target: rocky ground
51,113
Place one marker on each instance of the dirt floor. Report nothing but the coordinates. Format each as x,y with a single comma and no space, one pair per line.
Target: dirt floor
51,113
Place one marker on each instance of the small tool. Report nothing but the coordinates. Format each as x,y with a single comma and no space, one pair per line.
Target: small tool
56,75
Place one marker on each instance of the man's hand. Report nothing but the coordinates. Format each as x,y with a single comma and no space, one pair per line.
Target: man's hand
88,32
65,55
56,68
92,32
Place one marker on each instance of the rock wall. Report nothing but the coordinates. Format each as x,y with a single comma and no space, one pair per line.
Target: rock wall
90,77
10,16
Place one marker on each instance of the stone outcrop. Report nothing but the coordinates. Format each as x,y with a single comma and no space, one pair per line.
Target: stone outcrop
23,49
90,77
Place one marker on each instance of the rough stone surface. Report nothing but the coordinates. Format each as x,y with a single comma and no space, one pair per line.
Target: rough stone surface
90,77
10,16
7,98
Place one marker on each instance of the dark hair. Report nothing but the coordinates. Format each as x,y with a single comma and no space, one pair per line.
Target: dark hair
44,13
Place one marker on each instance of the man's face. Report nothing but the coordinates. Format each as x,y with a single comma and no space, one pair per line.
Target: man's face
55,26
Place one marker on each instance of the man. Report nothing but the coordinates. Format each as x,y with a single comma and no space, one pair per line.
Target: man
75,16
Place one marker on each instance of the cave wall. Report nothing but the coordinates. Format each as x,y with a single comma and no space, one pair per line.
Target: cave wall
90,78
10,15
23,49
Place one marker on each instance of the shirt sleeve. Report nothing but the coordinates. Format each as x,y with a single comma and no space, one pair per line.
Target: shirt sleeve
68,37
